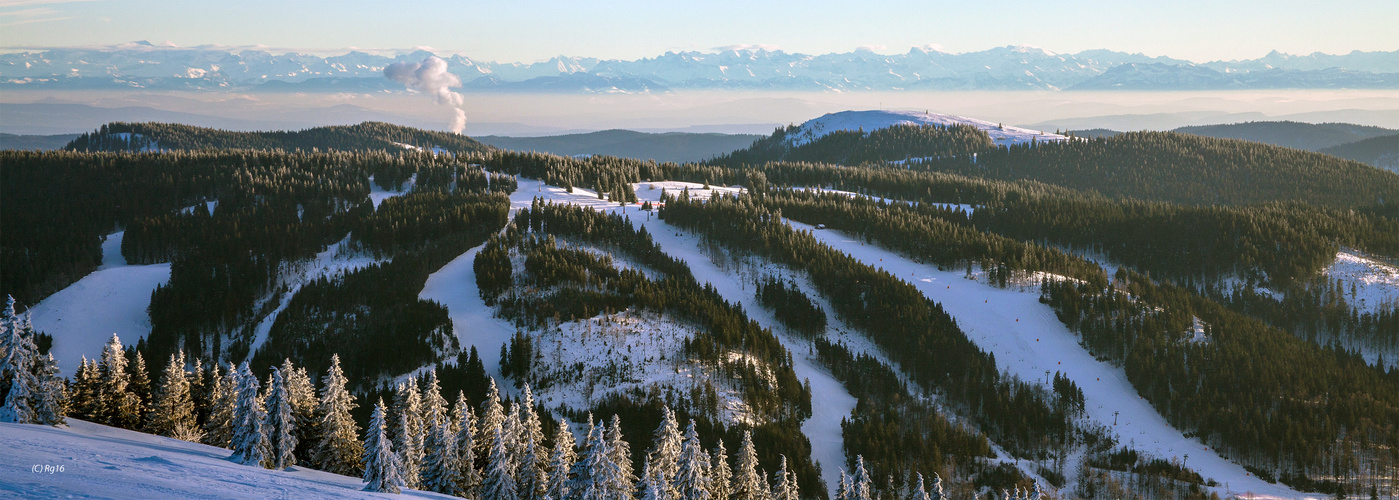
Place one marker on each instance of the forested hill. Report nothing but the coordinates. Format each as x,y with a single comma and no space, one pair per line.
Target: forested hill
1382,151
367,136
1308,136
853,147
1187,169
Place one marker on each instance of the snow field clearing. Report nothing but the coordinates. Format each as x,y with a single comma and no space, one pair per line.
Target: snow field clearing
869,121
294,275
1028,341
377,194
950,206
105,462
1376,283
112,299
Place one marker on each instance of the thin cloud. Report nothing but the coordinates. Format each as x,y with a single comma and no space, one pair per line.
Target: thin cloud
19,3
749,46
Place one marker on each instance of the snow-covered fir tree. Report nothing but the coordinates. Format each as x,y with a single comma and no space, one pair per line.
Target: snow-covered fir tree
621,454
223,398
250,445
53,394
692,472
470,486
654,485
18,357
118,406
441,464
531,428
86,386
408,431
605,480
492,416
281,423
936,491
720,475
747,484
172,408
918,492
382,470
510,427
664,456
843,488
141,386
432,400
499,481
582,474
860,483
303,409
561,462
338,448
532,478
784,483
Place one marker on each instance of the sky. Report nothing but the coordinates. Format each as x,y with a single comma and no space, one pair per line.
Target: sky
528,31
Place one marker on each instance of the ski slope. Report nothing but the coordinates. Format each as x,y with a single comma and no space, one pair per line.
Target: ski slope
1002,135
1028,340
87,460
113,299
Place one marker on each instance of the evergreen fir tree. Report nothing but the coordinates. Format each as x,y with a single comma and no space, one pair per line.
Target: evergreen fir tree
621,454
172,413
250,443
223,397
582,472
843,489
492,416
747,484
499,482
860,488
654,485
532,480
140,385
86,384
466,447
561,462
432,400
605,480
937,488
721,476
281,423
692,474
511,428
531,428
784,483
918,492
119,407
18,360
302,394
53,396
382,470
441,464
338,449
408,431
665,452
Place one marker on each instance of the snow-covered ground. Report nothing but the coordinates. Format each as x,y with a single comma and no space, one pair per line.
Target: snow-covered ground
951,206
378,194
1028,340
1376,283
112,299
86,460
1002,135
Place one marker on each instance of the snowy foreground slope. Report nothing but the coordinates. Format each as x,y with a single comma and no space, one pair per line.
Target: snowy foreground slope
97,461
874,120
112,299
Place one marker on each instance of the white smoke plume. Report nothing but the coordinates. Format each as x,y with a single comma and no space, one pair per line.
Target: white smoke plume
431,77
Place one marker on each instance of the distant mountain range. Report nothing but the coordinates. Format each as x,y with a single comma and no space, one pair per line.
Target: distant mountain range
1308,136
141,65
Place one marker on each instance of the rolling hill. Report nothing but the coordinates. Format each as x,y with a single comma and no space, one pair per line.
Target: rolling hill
671,146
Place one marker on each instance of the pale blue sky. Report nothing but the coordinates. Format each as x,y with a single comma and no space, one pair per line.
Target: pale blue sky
535,30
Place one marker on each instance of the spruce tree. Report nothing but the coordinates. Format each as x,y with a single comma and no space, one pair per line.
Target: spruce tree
654,485
860,488
382,470
249,436
843,489
499,481
408,431
532,480
172,409
86,385
119,407
665,452
784,483
432,400
303,409
281,423
582,474
919,493
492,416
621,454
531,428
937,488
140,385
223,398
53,396
561,462
692,473
441,464
18,360
466,447
721,476
747,484
338,449
604,481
